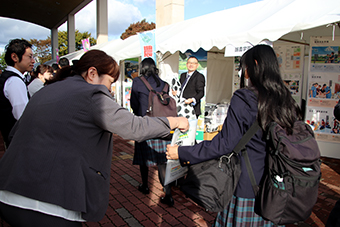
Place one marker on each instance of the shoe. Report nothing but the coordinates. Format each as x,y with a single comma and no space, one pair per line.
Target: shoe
168,200
144,190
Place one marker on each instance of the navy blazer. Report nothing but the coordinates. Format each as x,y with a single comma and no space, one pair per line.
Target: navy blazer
194,88
241,115
139,99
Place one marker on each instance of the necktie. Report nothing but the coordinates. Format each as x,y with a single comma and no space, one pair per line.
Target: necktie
185,81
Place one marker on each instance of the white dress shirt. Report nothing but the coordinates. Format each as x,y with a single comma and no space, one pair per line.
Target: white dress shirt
23,202
15,91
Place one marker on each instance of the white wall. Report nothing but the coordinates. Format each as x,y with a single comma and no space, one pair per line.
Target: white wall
219,82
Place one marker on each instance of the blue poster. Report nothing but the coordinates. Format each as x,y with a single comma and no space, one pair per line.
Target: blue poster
148,43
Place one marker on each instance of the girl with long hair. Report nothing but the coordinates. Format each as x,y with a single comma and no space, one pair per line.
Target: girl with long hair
151,152
263,97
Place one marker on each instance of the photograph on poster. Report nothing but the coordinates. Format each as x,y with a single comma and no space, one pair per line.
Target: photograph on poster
131,68
322,120
323,90
325,54
293,86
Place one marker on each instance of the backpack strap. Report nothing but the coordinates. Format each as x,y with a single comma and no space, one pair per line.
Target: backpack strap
250,172
146,83
246,137
241,146
165,88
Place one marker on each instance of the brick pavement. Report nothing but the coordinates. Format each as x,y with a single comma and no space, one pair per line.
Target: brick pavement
129,207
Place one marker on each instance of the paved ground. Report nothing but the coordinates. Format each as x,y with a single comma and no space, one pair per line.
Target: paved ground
129,207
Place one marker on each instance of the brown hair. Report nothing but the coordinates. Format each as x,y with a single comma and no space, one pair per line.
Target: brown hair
41,69
104,64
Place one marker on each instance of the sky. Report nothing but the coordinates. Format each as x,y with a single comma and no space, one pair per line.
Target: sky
121,13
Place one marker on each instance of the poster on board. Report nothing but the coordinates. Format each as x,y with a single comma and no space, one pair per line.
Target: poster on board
131,67
323,88
290,58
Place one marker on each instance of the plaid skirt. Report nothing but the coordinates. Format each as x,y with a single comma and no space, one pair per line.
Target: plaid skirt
240,213
150,152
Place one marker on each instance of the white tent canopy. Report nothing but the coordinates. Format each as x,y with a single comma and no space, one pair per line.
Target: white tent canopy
294,20
252,23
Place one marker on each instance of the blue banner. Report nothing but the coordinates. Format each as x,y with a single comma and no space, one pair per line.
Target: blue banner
148,43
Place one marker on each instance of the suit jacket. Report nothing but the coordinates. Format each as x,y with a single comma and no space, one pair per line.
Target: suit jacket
242,113
194,89
61,150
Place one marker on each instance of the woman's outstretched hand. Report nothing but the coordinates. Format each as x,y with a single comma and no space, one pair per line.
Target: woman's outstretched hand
181,123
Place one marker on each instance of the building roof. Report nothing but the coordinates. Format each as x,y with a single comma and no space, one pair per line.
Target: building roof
49,14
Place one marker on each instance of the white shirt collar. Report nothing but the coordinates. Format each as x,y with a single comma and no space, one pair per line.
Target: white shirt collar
190,74
12,69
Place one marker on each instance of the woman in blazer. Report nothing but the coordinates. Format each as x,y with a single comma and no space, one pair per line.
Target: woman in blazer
56,171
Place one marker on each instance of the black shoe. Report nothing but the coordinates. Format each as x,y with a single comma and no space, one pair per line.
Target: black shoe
168,200
142,189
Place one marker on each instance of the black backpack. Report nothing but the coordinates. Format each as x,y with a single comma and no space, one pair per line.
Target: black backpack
289,188
160,104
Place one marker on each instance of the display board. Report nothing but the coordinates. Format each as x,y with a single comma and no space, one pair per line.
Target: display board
323,87
131,67
290,58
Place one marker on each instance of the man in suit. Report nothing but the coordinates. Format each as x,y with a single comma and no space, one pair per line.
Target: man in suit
192,84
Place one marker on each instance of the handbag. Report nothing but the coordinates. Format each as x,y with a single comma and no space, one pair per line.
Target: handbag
211,184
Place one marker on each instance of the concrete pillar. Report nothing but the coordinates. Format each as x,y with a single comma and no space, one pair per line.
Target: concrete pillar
169,12
54,42
71,38
102,22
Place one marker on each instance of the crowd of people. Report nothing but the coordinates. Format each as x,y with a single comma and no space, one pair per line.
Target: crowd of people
58,134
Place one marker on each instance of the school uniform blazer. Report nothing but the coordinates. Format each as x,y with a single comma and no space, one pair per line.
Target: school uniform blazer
139,99
194,89
61,151
241,115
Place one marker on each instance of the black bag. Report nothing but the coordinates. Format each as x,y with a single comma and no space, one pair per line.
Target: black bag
289,188
160,104
211,184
